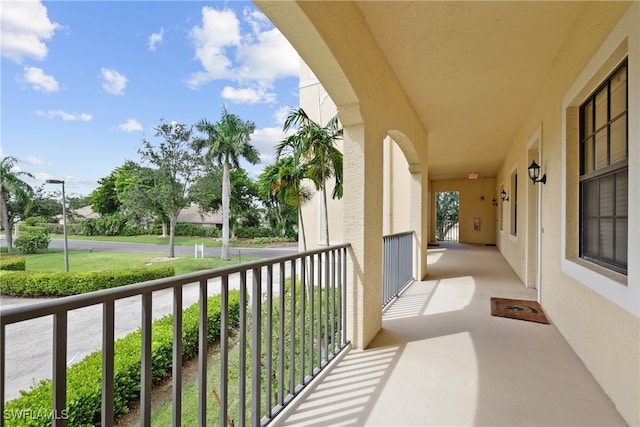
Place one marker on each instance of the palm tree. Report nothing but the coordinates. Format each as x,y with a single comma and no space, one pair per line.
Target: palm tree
11,184
313,145
226,142
284,182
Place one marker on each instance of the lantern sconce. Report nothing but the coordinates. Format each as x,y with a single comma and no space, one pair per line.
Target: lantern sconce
504,196
534,173
494,202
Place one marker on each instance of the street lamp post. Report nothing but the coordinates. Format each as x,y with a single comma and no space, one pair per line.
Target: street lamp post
64,222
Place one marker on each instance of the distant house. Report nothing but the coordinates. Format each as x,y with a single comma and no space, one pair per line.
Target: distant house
85,213
192,215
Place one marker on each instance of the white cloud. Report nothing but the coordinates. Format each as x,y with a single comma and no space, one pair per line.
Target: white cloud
155,38
248,95
253,59
265,141
219,30
39,80
67,117
34,161
281,114
113,82
269,58
131,125
24,26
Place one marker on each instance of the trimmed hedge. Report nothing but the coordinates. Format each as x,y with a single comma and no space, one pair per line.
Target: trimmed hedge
84,379
30,284
12,263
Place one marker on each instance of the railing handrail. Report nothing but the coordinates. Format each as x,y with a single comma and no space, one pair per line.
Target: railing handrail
46,308
320,321
397,264
398,234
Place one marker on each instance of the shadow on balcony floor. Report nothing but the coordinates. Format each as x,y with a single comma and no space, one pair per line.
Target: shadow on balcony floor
442,359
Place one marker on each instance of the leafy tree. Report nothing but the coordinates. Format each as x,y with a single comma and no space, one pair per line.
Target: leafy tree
77,202
43,203
104,199
175,165
447,208
207,192
313,146
135,190
226,142
12,187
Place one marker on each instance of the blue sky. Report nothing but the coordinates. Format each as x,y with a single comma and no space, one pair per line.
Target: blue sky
83,82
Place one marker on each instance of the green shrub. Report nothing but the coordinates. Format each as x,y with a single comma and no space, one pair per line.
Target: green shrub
253,232
37,220
266,240
188,229
14,263
32,239
84,379
30,284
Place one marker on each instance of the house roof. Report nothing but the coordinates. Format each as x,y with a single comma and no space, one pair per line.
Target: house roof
193,216
190,214
85,212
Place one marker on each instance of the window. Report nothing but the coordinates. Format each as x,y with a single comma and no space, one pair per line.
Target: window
514,204
604,148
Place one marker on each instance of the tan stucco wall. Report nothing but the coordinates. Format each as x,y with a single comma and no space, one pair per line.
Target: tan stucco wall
604,330
400,191
604,334
471,207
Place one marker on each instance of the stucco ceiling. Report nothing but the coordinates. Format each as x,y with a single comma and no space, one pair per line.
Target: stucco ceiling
471,69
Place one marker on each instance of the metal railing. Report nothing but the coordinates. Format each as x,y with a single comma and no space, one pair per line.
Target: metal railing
397,265
292,324
447,231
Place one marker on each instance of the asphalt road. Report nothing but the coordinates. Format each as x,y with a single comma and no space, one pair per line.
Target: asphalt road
29,343
148,248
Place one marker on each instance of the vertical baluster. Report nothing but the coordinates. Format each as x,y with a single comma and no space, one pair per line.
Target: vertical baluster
333,302
311,315
256,332
269,341
343,291
59,367
292,330
202,355
242,374
339,299
319,316
224,349
326,305
145,371
303,309
107,363
2,371
281,346
176,369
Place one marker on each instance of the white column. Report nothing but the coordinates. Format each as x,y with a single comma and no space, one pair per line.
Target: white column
363,207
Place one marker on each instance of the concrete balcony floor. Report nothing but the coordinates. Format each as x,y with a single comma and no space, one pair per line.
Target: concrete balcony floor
442,359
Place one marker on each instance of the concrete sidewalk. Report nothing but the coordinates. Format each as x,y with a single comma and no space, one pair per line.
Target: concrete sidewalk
441,359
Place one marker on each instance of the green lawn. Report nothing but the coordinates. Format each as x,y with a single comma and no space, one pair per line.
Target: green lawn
53,261
157,240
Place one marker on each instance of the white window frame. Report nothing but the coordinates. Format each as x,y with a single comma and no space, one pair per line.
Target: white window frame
623,41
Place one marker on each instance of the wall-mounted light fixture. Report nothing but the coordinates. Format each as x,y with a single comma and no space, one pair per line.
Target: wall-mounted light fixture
494,202
504,196
534,173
